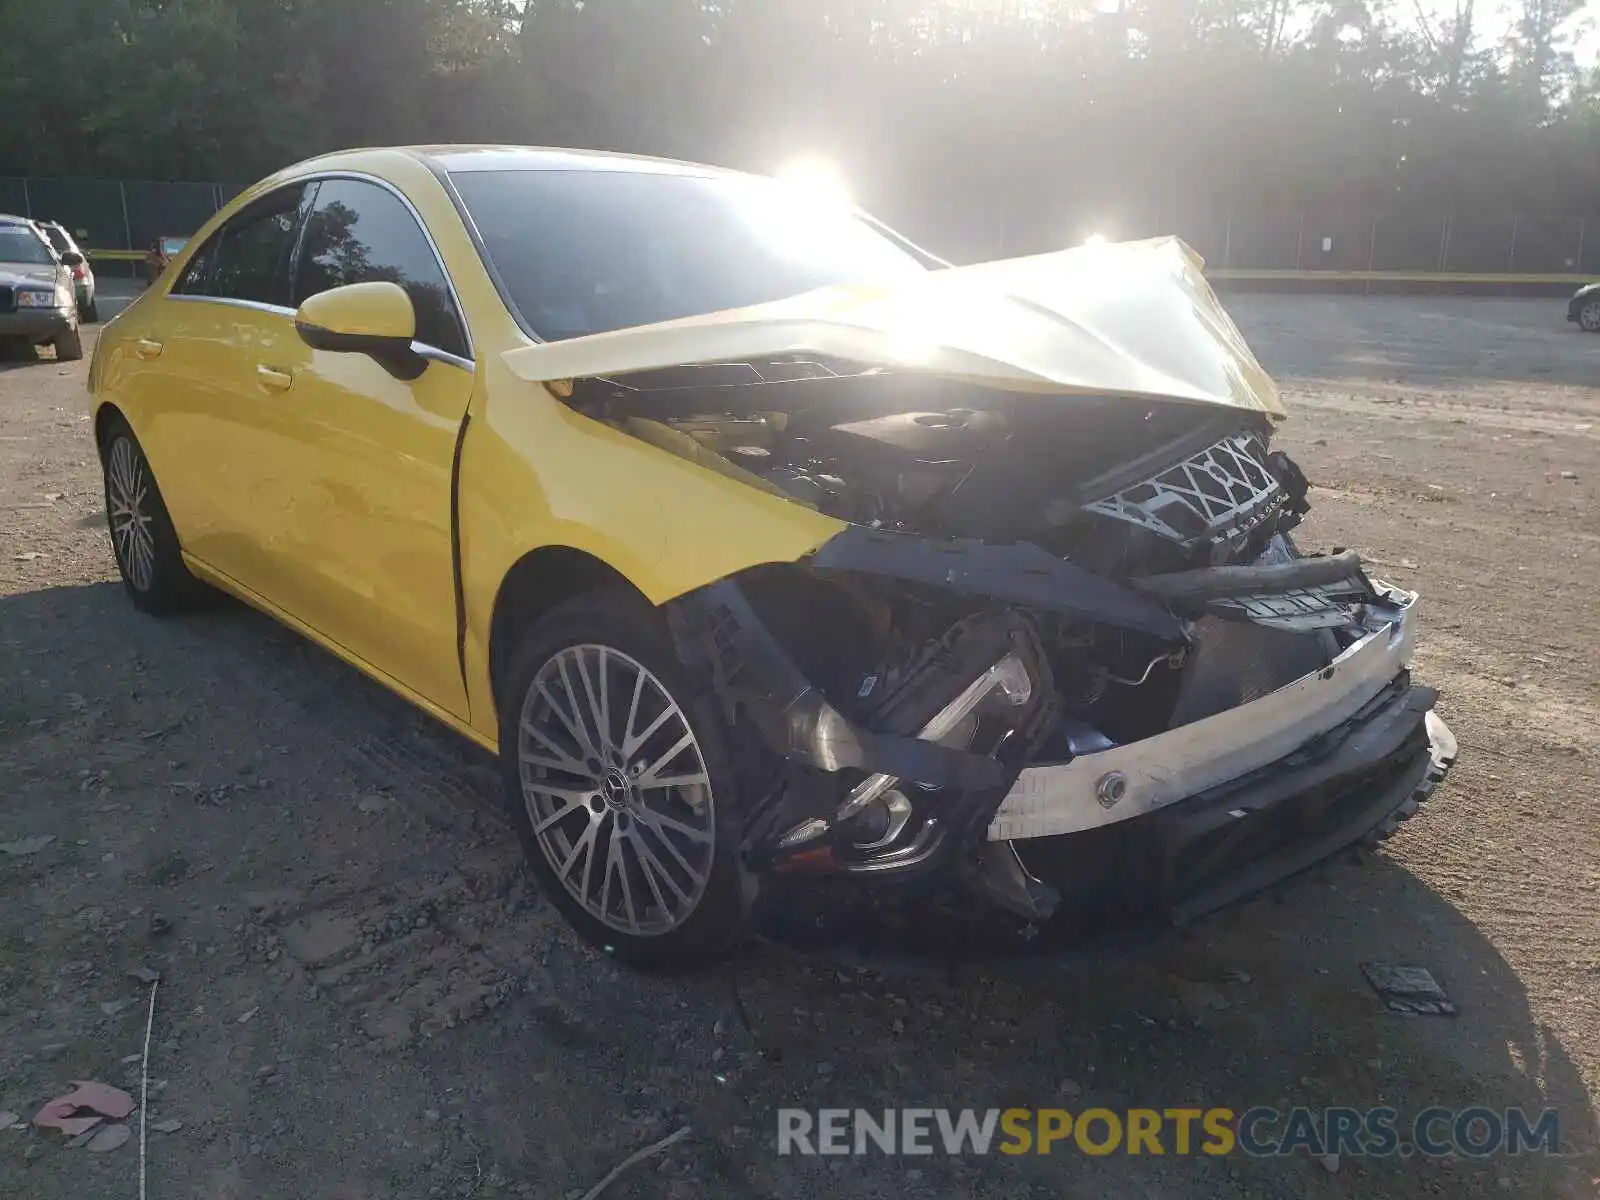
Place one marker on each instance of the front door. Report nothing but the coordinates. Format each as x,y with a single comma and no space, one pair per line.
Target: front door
367,518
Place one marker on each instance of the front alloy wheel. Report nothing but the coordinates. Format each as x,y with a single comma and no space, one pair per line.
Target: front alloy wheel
616,789
620,783
1589,316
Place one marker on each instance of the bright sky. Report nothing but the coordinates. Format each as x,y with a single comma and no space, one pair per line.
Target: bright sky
1494,20
1497,21
1587,45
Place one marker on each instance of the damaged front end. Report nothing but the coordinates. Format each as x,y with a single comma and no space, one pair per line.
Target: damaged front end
1063,648
1009,725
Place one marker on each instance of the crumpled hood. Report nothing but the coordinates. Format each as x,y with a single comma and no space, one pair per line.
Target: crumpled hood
1131,318
21,274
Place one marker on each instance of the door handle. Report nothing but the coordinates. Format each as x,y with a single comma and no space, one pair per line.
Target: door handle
145,348
273,379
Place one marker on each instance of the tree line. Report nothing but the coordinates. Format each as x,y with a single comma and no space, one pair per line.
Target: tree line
993,117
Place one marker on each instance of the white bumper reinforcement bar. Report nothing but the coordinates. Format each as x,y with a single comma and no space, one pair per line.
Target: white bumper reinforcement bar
1122,782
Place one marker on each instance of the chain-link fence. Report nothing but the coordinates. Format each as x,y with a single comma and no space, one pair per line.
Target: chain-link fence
1455,244
115,220
1265,244
118,219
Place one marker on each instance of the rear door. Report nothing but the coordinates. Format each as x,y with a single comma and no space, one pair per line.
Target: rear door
207,413
367,491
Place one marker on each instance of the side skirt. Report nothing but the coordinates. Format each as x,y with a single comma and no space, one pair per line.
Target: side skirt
234,588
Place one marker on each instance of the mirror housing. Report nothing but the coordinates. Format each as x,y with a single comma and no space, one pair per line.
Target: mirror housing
375,319
72,259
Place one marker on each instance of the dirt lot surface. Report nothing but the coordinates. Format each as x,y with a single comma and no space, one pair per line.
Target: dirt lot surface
362,996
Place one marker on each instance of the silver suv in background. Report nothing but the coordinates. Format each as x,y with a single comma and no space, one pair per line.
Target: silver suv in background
82,274
38,302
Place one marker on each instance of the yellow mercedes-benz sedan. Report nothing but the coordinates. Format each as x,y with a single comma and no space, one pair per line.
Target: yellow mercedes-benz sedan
756,540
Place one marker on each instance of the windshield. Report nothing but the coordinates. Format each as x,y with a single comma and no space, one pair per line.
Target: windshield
20,244
589,251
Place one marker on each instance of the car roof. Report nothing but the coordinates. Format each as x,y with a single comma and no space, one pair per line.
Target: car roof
471,157
546,158
6,219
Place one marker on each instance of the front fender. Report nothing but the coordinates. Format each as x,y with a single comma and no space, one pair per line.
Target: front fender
534,473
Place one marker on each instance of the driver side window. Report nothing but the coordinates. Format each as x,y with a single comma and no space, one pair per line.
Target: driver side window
359,232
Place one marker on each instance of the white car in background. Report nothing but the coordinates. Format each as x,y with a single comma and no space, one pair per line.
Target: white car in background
83,285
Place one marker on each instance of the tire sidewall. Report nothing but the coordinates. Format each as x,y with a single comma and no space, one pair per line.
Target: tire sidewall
171,584
630,625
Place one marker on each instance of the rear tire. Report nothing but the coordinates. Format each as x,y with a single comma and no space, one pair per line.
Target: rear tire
91,313
1589,316
68,344
649,871
142,537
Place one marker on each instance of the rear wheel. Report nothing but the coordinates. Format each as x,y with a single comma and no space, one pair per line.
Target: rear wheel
142,536
68,344
619,784
91,312
1589,316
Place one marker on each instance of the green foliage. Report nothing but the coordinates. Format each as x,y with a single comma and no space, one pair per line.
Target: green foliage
948,111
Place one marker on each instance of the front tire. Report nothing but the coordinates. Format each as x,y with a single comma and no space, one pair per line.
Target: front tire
620,786
142,537
1589,316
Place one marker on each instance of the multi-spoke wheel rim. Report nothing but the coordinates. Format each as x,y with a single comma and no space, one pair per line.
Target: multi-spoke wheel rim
616,788
127,493
1589,316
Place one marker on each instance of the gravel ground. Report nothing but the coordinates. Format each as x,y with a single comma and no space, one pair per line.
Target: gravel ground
362,995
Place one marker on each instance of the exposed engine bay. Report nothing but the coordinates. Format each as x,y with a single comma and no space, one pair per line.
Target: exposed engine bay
1149,486
1026,589
1161,497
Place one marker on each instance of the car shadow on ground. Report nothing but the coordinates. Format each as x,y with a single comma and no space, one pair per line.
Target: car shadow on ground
13,357
1262,1005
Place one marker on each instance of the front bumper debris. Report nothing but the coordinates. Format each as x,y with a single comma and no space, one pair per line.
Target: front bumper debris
1177,825
842,806
1119,783
1175,865
1235,797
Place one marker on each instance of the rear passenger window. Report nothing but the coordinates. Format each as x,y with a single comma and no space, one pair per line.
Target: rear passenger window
248,258
360,233
196,277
